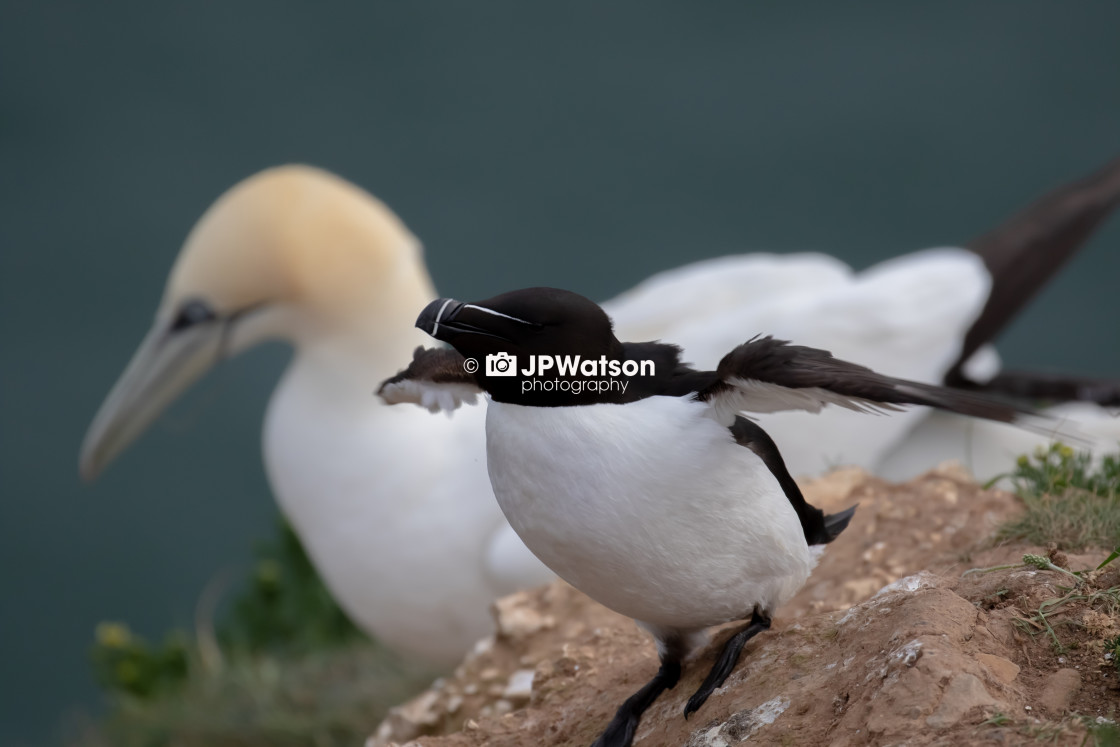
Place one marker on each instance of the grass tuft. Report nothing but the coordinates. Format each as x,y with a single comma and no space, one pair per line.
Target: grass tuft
285,606
1107,600
284,609
325,699
1070,501
1105,734
997,719
282,666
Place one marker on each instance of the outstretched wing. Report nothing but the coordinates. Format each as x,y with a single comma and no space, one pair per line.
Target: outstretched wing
436,379
768,375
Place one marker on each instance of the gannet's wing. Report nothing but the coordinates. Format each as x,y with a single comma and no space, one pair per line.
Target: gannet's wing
1024,252
905,317
710,293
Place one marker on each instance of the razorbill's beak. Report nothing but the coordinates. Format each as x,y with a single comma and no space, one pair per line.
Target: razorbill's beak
446,318
168,360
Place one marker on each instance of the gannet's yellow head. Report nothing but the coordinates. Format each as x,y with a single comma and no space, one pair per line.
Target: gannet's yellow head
293,253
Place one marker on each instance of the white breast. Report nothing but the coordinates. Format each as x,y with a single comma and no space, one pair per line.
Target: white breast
650,508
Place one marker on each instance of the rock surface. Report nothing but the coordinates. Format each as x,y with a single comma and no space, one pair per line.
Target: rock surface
886,644
1059,691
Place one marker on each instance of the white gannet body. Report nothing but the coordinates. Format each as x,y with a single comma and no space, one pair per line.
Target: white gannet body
905,317
989,450
394,509
393,505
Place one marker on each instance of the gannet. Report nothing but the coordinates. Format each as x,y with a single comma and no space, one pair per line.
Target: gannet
401,526
634,477
396,511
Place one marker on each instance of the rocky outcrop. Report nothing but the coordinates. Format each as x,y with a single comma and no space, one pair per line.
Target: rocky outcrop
887,644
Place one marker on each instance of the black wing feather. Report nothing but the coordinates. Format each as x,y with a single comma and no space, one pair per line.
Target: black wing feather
767,375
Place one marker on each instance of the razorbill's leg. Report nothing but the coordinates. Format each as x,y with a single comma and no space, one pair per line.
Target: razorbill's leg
620,731
727,659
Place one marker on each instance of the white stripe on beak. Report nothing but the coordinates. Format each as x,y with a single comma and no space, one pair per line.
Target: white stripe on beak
435,324
497,313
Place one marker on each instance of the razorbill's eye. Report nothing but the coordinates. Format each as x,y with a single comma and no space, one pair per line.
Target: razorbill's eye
191,313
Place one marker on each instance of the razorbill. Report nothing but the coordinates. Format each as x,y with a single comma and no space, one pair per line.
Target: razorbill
415,556
633,476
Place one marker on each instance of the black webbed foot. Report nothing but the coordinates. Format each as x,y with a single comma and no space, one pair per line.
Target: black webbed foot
726,661
620,731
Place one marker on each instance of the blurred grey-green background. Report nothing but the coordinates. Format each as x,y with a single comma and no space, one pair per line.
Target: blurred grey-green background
582,145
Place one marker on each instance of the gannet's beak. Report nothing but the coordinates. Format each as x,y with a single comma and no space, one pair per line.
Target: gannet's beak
167,362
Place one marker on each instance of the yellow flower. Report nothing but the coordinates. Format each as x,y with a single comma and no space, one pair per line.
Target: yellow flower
113,634
1065,451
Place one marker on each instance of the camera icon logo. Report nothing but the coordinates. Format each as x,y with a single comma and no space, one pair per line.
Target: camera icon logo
501,364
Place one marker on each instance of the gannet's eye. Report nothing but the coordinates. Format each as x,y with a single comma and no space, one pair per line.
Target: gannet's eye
192,313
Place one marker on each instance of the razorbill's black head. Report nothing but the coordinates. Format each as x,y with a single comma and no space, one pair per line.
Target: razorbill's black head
527,321
548,347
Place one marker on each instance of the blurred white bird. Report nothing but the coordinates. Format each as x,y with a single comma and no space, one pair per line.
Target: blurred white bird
395,509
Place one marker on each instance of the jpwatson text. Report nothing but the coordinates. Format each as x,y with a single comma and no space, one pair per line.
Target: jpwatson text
572,365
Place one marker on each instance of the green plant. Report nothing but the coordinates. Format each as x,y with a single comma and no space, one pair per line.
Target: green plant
282,665
1040,562
1105,599
996,719
126,663
285,606
330,698
1104,734
1070,500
